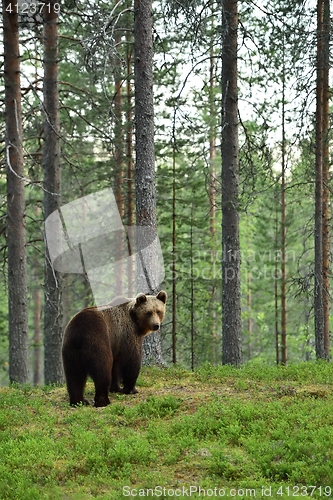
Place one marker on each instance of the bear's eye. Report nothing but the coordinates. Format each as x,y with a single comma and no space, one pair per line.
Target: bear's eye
149,314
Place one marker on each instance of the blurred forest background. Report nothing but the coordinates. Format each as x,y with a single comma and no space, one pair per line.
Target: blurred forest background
277,53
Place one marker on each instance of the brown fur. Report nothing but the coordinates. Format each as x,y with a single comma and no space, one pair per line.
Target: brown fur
106,344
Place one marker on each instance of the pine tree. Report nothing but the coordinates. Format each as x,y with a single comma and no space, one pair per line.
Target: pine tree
145,184
16,230
231,308
322,241
53,372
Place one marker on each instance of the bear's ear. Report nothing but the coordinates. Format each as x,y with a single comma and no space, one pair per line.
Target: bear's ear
140,299
162,295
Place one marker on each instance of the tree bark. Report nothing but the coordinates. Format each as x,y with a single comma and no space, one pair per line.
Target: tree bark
231,308
212,146
53,315
192,308
37,358
318,276
174,258
212,184
16,232
129,158
145,151
276,283
249,319
326,177
322,251
283,226
119,161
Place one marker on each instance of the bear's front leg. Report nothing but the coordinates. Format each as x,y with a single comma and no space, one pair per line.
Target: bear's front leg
115,383
126,390
101,400
115,387
130,374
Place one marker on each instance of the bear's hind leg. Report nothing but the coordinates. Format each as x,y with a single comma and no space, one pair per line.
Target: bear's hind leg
102,380
102,392
75,387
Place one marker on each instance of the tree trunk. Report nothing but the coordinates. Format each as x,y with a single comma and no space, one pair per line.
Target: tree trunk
145,154
53,326
37,311
318,276
16,232
276,283
249,319
231,308
212,185
192,308
174,259
326,177
37,355
283,228
119,162
129,157
321,267
212,146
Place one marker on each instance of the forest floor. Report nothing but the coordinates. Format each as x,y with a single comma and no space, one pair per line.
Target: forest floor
218,432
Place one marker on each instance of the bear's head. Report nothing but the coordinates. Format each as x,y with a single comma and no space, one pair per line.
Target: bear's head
149,311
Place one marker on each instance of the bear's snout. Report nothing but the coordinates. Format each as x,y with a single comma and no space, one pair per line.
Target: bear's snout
155,327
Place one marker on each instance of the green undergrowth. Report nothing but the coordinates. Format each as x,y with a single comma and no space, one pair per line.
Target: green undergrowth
253,432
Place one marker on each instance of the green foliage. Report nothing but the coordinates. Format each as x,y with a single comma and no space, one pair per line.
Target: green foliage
219,427
187,43
159,407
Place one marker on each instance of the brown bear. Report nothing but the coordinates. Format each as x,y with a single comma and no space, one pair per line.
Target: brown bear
105,343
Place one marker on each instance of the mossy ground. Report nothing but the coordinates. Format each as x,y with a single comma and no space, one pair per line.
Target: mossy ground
255,432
